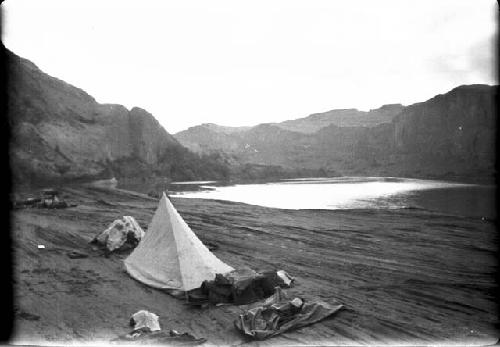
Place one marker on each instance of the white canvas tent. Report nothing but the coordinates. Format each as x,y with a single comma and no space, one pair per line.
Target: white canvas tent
170,256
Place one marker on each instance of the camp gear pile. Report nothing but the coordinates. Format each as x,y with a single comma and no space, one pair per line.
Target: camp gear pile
242,286
49,198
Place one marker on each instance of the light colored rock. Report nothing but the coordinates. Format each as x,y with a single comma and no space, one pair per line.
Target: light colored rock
117,233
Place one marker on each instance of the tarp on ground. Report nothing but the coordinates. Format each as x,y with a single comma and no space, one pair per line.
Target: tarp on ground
120,232
279,314
171,256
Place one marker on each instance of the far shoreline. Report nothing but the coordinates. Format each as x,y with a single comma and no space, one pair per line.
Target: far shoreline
154,184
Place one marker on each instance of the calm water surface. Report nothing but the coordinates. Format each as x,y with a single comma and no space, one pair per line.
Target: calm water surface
352,193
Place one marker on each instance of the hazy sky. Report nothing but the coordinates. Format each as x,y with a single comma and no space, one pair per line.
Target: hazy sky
246,62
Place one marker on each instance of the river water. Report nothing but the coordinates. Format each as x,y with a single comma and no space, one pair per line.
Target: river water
352,193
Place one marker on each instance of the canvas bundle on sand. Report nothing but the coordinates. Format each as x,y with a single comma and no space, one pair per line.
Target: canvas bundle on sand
242,286
170,256
121,234
279,314
147,331
159,338
145,319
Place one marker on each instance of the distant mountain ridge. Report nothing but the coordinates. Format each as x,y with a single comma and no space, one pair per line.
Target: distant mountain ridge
224,129
448,135
342,118
208,137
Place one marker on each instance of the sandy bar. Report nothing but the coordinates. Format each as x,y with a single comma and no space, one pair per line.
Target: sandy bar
404,276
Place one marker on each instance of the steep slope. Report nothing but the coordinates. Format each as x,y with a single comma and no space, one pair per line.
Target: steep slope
61,132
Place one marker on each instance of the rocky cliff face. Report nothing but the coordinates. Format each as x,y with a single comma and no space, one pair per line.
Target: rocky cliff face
454,132
449,135
61,132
